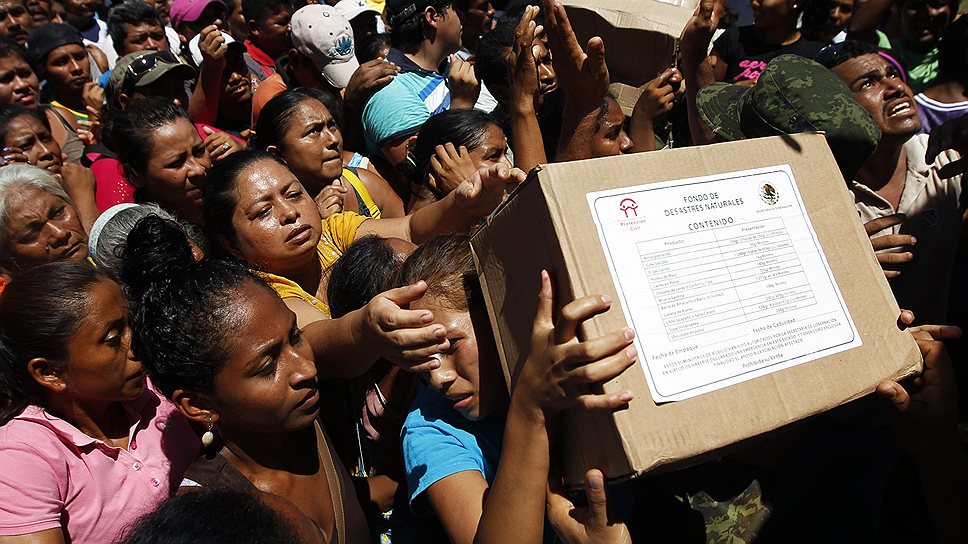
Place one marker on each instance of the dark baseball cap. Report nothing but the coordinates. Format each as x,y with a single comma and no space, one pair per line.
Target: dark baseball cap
142,68
793,94
47,37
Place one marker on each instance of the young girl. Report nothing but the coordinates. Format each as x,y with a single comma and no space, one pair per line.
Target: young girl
475,457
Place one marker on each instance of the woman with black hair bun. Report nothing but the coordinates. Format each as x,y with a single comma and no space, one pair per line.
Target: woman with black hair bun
87,446
191,518
222,345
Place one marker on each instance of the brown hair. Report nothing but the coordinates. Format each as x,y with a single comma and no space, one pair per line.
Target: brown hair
447,265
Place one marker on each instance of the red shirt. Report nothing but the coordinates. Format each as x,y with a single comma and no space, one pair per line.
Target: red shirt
268,63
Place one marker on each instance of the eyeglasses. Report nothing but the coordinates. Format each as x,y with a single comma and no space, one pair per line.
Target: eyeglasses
142,65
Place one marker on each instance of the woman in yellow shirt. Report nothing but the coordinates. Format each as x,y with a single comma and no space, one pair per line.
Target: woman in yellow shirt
258,211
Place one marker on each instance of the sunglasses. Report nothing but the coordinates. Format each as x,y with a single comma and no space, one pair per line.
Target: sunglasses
142,65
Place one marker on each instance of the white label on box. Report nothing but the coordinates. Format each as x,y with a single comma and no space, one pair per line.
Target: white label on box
722,277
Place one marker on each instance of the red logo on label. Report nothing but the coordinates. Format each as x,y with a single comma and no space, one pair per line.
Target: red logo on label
628,205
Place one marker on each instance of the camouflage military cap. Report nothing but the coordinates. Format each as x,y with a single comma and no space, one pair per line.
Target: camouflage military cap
793,94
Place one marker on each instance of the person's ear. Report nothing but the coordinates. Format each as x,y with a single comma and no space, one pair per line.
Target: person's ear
132,177
253,27
430,15
47,374
124,100
196,407
230,246
273,150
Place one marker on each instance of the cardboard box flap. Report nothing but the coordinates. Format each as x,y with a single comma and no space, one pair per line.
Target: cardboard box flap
640,35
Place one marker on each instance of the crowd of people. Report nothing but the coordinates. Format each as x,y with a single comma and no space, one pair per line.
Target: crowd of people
238,301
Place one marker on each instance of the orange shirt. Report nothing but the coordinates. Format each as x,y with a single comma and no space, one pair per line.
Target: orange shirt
268,89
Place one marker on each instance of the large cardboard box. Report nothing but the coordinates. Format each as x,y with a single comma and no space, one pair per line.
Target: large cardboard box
552,223
640,38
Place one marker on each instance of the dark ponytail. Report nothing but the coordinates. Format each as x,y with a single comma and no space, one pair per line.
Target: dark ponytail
39,313
461,127
129,132
181,311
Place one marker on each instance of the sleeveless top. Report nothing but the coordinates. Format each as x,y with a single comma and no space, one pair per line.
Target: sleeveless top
81,116
349,524
368,207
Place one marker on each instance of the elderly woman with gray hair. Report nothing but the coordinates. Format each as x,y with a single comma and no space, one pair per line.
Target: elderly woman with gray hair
38,221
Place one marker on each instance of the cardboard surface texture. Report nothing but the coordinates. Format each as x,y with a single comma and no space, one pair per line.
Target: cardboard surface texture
548,224
640,37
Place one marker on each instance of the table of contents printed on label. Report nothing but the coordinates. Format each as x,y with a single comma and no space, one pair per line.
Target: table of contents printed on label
722,278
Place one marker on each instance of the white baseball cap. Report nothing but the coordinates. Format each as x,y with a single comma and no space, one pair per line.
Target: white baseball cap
321,33
196,51
351,9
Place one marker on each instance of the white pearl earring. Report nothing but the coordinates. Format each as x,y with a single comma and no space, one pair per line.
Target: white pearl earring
208,436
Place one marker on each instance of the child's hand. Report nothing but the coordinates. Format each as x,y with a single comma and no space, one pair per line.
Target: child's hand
562,372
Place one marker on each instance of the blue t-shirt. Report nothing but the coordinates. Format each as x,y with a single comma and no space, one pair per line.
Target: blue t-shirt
399,109
438,442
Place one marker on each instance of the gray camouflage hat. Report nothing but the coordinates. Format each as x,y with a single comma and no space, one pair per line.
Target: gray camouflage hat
793,94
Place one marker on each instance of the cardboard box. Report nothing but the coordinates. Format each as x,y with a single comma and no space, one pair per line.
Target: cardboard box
550,223
640,38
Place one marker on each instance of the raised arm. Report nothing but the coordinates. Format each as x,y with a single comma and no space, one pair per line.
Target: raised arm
697,67
583,77
560,373
461,210
527,144
348,346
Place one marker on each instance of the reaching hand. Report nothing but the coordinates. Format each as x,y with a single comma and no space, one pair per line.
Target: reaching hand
481,193
449,167
77,181
926,408
937,332
93,96
582,76
521,66
890,260
463,84
408,338
12,155
592,524
560,371
369,78
699,30
659,96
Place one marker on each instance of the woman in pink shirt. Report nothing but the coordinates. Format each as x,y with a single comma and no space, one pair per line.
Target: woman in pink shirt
86,445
